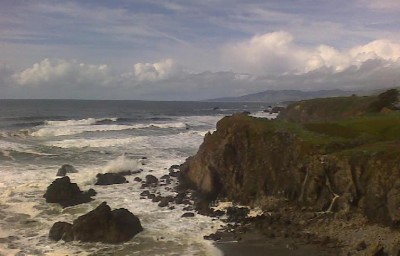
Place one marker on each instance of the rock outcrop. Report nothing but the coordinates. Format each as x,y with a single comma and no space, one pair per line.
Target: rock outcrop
110,178
66,168
248,159
65,193
100,225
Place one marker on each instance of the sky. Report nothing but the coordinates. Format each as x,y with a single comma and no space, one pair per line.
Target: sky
195,50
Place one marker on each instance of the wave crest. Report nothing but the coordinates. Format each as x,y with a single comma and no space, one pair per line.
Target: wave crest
87,121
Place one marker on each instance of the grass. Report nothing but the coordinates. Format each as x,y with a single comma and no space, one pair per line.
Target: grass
356,129
369,133
378,126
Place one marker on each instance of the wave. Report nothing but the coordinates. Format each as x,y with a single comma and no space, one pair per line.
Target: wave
262,114
189,138
29,124
23,133
55,129
87,121
94,143
6,148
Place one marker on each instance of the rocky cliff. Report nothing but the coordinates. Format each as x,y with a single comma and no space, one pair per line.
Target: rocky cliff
248,160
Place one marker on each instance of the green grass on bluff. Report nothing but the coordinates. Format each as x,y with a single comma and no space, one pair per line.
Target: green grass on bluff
344,124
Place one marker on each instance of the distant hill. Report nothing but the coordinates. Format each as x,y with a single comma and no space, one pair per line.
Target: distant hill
276,96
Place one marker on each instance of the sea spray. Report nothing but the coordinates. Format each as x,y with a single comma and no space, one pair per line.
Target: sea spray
122,163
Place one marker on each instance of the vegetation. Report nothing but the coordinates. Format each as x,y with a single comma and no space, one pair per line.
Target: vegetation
342,123
332,109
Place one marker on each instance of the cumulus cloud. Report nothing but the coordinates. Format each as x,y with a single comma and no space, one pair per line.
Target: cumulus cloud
154,71
277,53
368,66
56,72
269,52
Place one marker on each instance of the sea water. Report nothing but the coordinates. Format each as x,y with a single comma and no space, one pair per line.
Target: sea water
38,136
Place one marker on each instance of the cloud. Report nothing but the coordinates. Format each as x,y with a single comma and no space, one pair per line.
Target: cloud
390,5
378,49
269,53
163,80
277,53
154,71
61,72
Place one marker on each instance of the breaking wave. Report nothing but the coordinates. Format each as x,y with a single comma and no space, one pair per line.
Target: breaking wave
87,121
72,127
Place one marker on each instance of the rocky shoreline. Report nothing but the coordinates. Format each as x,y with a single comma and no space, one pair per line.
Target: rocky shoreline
320,188
330,178
282,229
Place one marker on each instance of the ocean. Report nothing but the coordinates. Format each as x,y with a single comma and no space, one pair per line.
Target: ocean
38,136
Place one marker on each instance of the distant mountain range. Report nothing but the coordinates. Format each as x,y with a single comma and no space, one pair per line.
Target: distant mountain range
280,96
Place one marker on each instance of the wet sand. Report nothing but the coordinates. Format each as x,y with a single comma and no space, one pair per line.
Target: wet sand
253,243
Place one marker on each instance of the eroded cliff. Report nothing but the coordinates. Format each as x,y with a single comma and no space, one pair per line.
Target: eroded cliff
249,159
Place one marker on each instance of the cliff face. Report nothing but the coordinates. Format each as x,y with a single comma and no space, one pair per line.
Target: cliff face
248,159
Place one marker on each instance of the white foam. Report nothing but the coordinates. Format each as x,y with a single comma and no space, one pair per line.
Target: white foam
71,130
200,120
88,121
7,147
189,139
122,163
59,130
262,114
94,143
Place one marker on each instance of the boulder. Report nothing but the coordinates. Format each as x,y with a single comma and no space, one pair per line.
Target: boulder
151,180
65,193
145,193
164,202
58,230
174,171
99,225
110,178
66,168
179,198
214,237
187,215
157,199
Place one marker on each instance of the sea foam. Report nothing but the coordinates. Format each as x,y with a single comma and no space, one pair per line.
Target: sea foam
122,163
63,130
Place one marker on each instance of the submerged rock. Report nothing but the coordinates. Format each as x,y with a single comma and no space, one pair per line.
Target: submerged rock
99,225
110,178
66,168
65,193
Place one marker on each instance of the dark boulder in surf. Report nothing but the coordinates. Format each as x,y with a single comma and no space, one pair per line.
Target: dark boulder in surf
187,215
110,178
66,168
59,229
100,225
65,193
151,180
